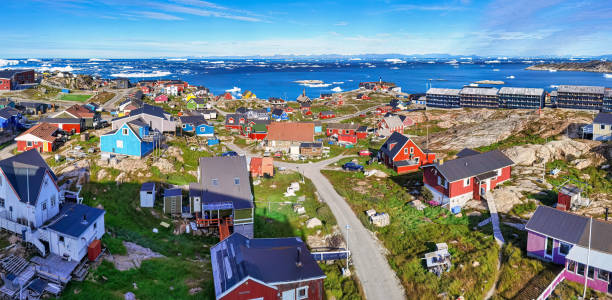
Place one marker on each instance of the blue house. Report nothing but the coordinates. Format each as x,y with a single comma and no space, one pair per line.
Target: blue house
197,125
134,138
10,119
279,115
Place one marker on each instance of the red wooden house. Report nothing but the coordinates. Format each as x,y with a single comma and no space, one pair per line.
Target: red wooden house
10,79
71,125
161,99
261,166
42,136
328,114
228,96
403,155
235,121
305,109
470,176
255,129
383,110
146,89
269,269
346,133
568,194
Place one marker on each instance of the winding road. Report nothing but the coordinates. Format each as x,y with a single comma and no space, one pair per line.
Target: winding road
377,278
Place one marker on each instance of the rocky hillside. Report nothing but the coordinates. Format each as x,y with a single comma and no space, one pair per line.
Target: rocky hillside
590,66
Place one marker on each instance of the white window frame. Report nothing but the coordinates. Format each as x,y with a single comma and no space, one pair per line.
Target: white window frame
499,172
297,293
119,144
600,271
411,150
124,131
561,244
466,182
405,150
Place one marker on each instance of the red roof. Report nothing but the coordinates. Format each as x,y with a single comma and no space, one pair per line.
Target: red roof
295,132
43,131
80,111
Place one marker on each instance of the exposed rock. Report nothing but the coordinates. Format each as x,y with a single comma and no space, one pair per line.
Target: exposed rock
582,163
164,166
195,290
135,255
475,264
561,149
102,174
314,222
121,178
506,197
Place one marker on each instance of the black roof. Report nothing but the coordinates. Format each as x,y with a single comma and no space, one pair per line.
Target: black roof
26,172
8,112
397,138
571,228
277,112
467,152
473,165
75,219
270,260
31,104
194,120
8,73
311,145
603,118
149,110
147,187
224,179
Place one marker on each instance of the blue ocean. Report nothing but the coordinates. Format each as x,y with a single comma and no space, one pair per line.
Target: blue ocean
281,77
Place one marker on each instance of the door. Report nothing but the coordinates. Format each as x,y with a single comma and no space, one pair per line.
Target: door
548,253
289,295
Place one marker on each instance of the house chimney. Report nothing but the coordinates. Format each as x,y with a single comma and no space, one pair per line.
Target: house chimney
84,221
298,261
466,163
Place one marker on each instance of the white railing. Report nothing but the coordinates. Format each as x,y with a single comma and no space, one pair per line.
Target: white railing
551,287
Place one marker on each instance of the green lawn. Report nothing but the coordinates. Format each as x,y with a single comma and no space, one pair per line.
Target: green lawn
412,233
75,97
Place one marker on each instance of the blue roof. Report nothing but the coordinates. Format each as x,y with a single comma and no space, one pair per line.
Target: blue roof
74,219
269,260
173,192
148,186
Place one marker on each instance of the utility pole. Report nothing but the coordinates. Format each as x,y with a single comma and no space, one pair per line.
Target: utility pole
347,248
586,274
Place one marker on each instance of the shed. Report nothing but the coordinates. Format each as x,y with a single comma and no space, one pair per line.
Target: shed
173,201
380,219
147,194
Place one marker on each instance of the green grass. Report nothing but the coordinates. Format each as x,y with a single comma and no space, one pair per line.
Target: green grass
597,181
75,97
513,140
424,128
523,208
573,290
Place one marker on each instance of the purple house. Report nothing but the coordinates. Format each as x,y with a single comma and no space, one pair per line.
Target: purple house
564,238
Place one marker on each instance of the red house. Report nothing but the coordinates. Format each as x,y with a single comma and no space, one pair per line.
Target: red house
341,128
390,124
161,99
328,114
305,109
403,155
568,194
261,166
42,136
235,121
269,269
146,89
383,110
10,79
470,176
228,96
72,125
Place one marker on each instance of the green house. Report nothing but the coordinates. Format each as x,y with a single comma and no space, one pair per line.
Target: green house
196,103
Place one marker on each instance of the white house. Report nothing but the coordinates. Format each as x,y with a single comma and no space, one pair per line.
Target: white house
171,90
30,206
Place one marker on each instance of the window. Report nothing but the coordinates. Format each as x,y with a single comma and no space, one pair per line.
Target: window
236,181
2,202
602,126
29,143
95,225
564,248
44,205
124,131
215,181
499,172
53,201
411,150
549,246
0,180
346,132
302,293
405,150
466,182
603,275
580,269
184,126
591,272
571,266
120,144
61,239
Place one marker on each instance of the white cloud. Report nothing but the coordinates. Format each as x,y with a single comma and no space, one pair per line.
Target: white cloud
204,12
159,16
342,23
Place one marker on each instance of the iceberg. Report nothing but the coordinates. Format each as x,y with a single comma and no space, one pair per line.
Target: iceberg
98,59
142,74
337,89
395,61
7,62
608,75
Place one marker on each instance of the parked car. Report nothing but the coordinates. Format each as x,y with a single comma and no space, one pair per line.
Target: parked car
278,154
351,166
266,154
365,153
229,153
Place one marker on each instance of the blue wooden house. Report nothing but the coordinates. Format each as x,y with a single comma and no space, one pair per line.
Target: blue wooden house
279,115
10,119
133,138
197,125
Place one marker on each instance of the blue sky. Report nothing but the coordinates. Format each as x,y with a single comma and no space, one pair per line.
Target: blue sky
151,28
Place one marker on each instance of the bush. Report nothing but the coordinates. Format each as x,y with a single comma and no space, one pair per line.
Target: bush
426,193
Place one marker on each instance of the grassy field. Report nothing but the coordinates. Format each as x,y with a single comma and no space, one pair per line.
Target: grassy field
274,217
75,97
412,233
102,97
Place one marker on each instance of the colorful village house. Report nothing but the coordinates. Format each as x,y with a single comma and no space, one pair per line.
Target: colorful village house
12,79
389,125
279,115
10,119
161,99
7,102
311,149
133,138
256,129
261,167
197,125
196,103
80,112
209,114
222,197
570,197
574,241
74,226
471,176
154,116
235,121
602,127
327,114
270,269
403,155
71,125
287,137
305,108
346,133
43,137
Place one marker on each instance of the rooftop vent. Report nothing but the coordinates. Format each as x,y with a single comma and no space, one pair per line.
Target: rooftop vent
84,221
298,261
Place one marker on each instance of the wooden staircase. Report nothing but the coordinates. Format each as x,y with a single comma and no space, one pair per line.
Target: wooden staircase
224,231
538,284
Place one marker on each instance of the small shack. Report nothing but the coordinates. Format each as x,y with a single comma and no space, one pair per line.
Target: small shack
147,194
569,197
438,261
173,201
378,219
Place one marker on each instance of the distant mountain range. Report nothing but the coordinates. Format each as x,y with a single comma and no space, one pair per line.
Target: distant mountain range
588,66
